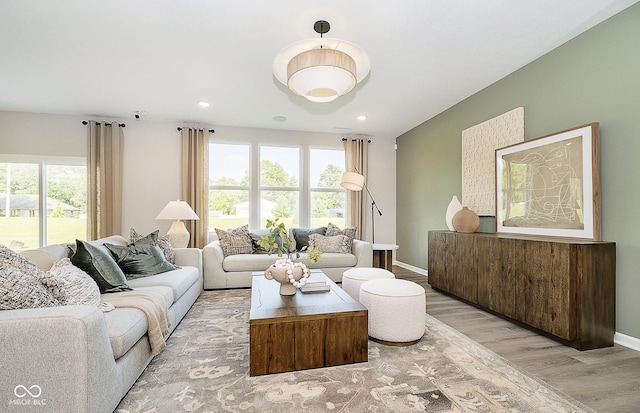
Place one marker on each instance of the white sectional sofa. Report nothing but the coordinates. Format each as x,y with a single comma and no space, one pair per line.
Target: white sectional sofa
80,358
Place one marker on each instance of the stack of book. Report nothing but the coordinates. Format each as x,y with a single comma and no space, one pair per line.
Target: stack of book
315,287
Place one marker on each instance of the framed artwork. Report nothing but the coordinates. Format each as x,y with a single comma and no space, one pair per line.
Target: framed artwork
551,185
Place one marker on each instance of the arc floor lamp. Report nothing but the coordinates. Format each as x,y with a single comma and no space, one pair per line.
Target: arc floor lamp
354,181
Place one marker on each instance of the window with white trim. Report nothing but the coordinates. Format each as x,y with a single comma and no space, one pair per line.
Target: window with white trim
250,183
43,201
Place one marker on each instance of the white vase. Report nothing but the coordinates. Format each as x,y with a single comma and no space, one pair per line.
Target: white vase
452,209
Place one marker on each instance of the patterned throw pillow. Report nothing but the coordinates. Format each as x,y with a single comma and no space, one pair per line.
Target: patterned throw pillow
80,287
235,241
337,243
20,285
164,242
333,230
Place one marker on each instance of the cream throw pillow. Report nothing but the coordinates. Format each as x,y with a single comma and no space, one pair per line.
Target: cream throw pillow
338,243
80,287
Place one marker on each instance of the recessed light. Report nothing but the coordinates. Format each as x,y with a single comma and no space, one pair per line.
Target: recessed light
204,104
362,117
280,118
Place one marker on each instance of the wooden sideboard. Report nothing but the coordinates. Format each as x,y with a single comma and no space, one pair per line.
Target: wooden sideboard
563,287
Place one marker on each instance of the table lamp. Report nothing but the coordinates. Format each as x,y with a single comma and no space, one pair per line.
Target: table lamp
178,211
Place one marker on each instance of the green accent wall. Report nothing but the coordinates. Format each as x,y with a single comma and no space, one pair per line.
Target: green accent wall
595,77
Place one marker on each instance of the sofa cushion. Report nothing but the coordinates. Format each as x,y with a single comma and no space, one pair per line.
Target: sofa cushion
44,257
248,262
20,285
330,260
340,244
140,258
301,235
164,242
235,241
126,326
100,266
180,280
167,292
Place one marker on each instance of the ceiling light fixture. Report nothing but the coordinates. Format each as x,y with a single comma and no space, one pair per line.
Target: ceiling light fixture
321,69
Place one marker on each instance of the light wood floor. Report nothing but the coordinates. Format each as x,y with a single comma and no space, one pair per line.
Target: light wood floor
607,380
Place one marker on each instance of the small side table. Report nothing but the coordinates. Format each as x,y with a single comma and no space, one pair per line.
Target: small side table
383,255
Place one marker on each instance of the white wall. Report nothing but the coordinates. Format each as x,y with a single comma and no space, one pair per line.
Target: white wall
152,157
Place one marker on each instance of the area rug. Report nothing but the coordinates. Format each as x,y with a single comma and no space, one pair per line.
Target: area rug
205,368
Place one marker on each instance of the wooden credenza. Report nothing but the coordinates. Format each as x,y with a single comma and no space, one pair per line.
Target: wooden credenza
563,287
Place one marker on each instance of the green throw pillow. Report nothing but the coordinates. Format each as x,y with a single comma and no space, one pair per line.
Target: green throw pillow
100,266
256,236
141,258
301,235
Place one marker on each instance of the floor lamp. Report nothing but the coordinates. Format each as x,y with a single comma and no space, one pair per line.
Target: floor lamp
353,181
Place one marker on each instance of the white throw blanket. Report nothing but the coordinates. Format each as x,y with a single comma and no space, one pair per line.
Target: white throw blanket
154,305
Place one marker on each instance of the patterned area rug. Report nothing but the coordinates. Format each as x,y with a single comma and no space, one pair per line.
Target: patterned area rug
205,368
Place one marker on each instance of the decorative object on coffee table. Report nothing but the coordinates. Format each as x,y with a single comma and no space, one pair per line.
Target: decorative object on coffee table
291,275
466,220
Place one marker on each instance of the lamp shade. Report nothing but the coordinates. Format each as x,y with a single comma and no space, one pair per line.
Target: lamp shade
321,75
321,70
352,181
177,210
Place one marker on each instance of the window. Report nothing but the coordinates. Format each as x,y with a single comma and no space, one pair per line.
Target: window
328,198
229,168
250,183
42,201
280,185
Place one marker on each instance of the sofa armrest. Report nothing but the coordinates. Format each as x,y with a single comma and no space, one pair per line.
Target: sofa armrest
213,273
65,351
363,251
189,257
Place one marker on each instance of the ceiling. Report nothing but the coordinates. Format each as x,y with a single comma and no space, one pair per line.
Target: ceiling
109,59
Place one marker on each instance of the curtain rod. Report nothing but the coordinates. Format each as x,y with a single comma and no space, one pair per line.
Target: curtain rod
210,130
354,139
122,125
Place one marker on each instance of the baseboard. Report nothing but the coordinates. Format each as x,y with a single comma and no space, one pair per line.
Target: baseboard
627,341
411,267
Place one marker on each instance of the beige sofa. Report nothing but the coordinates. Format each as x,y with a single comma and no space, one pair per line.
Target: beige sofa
81,359
234,271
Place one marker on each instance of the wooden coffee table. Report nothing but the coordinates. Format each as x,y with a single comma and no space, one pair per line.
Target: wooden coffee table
304,331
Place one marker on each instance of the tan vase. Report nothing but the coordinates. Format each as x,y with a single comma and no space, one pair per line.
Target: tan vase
279,273
466,220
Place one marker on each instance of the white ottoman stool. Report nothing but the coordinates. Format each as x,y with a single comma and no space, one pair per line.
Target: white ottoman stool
354,277
397,310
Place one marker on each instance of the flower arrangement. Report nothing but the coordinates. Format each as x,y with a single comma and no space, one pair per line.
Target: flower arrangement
286,270
278,240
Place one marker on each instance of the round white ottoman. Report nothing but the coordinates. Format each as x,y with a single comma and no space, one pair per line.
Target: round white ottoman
397,310
353,278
